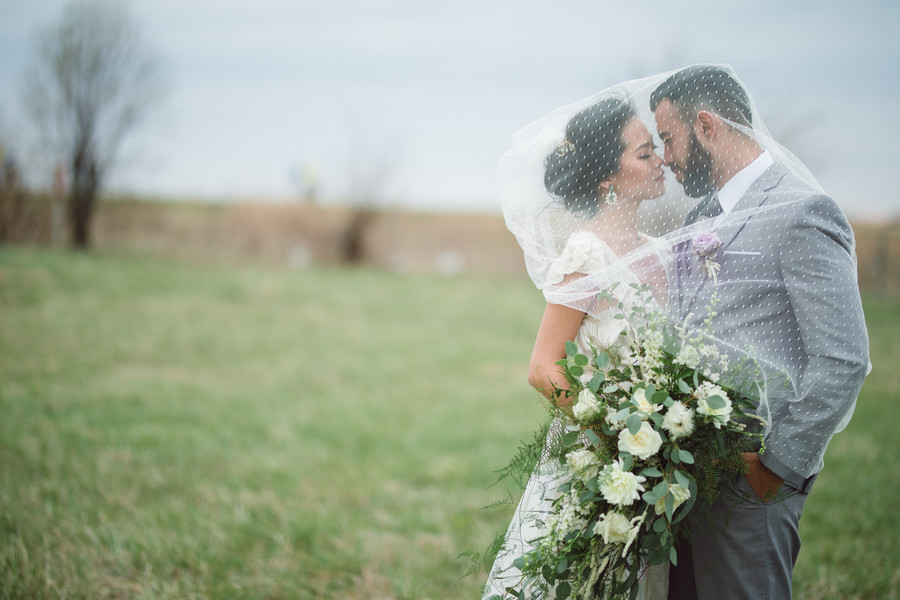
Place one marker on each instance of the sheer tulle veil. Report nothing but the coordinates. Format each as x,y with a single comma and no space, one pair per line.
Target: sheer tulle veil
705,270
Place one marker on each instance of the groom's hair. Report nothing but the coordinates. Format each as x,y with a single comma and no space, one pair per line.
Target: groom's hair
705,87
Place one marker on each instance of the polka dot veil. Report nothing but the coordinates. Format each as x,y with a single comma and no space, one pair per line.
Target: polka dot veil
669,193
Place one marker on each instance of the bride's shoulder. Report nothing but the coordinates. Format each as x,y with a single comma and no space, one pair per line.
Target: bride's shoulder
586,241
584,252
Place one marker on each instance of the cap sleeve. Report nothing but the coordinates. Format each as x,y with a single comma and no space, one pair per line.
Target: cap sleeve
584,253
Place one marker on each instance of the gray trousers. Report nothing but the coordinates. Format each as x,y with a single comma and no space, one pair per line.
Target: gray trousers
742,548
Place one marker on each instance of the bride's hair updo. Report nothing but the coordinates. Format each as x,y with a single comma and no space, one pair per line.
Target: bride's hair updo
590,152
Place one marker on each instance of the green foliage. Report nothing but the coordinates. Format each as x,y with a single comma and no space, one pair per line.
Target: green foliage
526,458
194,431
175,431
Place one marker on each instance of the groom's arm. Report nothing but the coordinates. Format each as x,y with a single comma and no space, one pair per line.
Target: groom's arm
819,269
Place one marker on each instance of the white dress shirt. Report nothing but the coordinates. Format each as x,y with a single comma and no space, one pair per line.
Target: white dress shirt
738,185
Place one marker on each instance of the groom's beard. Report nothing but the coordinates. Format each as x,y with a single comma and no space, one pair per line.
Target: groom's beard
698,171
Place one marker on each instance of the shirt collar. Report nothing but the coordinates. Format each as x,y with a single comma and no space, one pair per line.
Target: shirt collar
738,185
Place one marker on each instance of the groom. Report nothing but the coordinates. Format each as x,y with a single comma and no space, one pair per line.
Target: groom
786,287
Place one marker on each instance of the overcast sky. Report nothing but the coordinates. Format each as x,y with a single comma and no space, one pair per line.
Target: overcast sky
260,90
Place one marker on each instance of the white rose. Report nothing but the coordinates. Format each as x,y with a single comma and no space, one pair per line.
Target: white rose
583,463
679,493
618,486
587,406
718,416
614,528
640,399
679,420
644,444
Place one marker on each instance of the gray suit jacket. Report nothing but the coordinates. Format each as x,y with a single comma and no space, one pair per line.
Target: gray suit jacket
787,291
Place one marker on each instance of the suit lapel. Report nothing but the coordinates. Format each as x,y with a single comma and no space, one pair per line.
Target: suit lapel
756,196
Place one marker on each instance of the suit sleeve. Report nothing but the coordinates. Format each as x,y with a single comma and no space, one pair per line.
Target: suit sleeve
818,265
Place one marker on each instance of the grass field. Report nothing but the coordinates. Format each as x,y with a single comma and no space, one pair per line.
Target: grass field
176,430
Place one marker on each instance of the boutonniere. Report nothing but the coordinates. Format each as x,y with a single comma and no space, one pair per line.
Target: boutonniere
706,245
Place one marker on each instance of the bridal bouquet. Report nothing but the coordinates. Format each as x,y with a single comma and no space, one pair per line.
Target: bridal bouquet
652,423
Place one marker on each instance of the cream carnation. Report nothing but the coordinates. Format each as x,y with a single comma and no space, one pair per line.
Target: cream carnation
618,486
587,406
679,420
644,444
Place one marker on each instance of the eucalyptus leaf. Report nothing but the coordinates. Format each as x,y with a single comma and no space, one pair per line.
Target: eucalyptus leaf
581,360
633,423
686,457
592,437
683,387
715,402
670,505
571,348
651,472
651,497
621,414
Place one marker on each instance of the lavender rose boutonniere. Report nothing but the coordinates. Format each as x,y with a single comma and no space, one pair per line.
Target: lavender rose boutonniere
706,246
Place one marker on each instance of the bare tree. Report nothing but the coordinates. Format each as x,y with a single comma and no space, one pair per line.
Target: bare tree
94,80
369,172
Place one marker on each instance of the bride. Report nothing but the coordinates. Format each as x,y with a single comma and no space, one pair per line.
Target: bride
603,170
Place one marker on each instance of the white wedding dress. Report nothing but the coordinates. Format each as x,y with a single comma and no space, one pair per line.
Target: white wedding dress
584,253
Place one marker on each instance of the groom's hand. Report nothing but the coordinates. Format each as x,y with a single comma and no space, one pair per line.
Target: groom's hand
763,481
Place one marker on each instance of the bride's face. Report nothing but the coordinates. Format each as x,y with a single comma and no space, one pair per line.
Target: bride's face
640,175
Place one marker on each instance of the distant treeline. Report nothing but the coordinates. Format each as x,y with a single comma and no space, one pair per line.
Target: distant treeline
300,235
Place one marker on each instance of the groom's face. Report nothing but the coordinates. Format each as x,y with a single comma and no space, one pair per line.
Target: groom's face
688,160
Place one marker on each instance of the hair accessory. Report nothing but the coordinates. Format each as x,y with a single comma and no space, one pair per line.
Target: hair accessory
565,148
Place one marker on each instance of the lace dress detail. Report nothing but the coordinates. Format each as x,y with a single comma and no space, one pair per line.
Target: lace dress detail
584,253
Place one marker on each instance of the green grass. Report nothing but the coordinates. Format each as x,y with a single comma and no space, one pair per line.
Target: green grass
172,430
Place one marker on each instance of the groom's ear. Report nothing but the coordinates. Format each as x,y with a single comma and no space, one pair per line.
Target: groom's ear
706,126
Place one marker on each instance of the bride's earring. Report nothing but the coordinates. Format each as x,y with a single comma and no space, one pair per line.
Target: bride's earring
610,197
